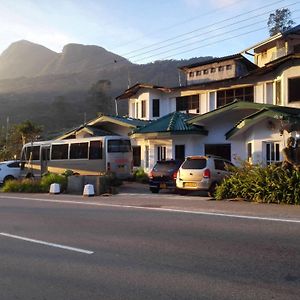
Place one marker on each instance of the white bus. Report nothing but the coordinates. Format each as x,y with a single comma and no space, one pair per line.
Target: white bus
84,156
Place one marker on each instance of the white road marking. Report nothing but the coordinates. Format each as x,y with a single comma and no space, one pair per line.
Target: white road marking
46,243
195,212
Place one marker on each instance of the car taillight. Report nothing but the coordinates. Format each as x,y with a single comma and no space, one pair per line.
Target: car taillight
175,175
206,173
151,175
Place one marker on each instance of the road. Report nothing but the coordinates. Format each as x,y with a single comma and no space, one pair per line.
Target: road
113,248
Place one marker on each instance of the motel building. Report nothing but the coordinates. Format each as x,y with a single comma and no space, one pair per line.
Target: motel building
229,106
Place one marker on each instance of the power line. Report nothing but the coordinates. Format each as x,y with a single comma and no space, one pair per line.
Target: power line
204,27
205,33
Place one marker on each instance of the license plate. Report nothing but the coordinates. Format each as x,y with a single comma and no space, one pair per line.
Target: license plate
190,184
163,186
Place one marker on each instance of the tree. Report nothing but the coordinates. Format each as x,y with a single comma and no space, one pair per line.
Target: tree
18,135
280,21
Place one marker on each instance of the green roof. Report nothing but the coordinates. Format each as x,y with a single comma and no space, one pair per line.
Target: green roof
235,105
290,118
123,121
173,123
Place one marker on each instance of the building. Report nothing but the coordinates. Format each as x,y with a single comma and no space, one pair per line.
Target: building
244,110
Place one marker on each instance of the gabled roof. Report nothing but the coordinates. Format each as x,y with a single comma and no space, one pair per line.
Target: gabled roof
123,121
93,125
173,123
219,59
135,88
283,113
274,38
235,105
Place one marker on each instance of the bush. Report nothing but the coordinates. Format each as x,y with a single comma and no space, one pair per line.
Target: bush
31,185
271,184
48,179
139,175
22,186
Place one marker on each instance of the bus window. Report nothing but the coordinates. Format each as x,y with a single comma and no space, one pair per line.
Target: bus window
79,150
118,146
59,151
95,150
35,152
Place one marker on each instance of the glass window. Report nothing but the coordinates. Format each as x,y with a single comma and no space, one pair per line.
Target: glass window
190,163
118,146
155,108
79,151
228,67
293,89
205,71
15,164
272,152
95,150
212,70
191,74
187,102
143,108
198,73
161,153
59,151
221,68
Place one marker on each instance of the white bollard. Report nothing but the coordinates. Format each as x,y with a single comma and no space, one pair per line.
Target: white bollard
54,188
88,190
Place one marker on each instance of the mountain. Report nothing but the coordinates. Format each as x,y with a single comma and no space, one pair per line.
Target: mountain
61,90
24,58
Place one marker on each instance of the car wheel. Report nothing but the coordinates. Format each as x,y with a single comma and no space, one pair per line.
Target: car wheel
212,190
154,190
7,178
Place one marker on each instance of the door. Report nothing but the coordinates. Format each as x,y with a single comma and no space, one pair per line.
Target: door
45,154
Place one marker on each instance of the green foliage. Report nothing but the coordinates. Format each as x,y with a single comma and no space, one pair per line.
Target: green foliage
139,175
22,186
35,186
271,184
48,179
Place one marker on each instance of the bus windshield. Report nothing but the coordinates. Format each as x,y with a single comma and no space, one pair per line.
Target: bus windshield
118,146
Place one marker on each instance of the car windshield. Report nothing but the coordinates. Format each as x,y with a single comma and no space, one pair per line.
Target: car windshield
194,163
166,166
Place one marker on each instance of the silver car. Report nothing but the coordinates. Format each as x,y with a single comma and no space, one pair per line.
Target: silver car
201,173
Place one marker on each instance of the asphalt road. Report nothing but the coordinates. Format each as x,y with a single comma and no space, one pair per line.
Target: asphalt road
127,253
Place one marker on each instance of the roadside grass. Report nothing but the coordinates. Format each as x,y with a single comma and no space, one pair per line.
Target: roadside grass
270,184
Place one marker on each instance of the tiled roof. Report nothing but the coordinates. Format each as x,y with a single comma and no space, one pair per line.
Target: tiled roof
172,123
289,115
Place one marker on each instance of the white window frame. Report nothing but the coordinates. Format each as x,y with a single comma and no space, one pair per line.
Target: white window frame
272,152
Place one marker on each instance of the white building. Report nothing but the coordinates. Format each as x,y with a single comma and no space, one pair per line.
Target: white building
246,109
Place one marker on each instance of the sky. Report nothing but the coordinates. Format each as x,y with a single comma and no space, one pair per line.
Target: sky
142,30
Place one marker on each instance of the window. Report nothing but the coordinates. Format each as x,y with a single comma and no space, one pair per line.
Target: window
187,102
147,156
213,70
221,69
227,96
155,108
205,71
191,74
180,152
249,152
228,67
15,164
95,150
59,151
35,152
192,163
79,151
293,89
198,73
137,110
223,150
278,92
272,152
118,146
143,103
220,164
161,152
136,152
